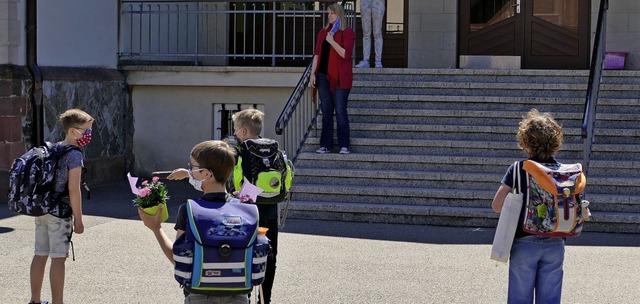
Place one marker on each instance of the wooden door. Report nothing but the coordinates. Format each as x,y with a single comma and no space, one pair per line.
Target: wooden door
490,28
556,34
546,34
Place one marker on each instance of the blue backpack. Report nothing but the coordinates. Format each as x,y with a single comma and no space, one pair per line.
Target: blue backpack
220,252
32,181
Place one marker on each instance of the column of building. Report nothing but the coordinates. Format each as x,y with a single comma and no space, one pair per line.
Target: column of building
14,83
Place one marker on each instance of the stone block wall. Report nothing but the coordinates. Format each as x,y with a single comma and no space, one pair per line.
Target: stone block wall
14,107
432,34
104,95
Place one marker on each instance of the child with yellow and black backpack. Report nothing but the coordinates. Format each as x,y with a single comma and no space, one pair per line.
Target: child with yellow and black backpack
260,162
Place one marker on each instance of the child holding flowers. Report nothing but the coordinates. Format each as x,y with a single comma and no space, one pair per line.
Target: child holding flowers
151,196
210,165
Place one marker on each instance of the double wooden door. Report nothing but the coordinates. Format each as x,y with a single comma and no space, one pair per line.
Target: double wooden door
546,34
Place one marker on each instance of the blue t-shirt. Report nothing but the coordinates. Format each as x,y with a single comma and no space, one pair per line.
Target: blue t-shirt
71,160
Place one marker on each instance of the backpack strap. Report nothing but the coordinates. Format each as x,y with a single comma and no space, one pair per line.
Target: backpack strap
516,186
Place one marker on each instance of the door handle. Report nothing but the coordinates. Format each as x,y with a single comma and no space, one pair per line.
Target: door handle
517,6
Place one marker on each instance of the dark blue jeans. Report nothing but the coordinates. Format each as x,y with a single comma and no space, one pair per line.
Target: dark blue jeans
330,102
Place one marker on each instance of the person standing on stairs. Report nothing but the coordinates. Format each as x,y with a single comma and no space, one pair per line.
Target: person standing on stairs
371,11
332,76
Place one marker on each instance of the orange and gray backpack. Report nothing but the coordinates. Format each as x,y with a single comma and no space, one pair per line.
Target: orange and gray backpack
553,203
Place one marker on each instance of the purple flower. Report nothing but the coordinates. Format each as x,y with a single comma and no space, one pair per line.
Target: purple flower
155,179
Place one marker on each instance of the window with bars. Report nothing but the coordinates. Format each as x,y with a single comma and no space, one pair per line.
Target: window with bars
222,112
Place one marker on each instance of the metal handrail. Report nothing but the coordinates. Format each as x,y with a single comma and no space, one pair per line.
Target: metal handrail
219,32
300,114
593,89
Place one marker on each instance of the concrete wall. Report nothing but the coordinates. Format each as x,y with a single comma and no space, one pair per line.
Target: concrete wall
432,33
78,33
173,106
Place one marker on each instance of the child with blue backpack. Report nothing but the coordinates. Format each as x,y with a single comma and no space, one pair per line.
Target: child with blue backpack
211,164
535,266
54,229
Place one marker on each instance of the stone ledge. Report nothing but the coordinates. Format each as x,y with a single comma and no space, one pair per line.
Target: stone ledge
80,74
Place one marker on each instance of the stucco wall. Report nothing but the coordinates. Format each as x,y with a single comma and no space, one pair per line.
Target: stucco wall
78,33
173,107
432,33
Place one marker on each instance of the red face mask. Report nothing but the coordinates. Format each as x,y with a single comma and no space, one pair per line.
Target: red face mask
84,139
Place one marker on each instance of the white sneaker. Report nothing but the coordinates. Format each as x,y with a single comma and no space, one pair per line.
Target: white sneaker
378,64
344,150
363,64
322,150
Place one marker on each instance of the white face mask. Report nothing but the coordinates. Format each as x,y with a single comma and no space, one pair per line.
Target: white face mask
197,184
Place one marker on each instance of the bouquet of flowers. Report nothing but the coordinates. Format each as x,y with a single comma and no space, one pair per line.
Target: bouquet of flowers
151,195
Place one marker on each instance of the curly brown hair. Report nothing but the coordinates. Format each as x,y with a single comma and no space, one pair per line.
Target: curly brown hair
539,135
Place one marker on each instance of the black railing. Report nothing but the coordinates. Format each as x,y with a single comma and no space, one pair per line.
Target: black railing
593,90
300,114
219,32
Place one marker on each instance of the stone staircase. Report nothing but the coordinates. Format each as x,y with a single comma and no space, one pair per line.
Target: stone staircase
431,146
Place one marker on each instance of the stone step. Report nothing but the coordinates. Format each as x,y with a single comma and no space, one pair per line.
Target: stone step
487,103
488,133
431,146
461,164
440,215
479,118
502,76
476,148
597,185
398,178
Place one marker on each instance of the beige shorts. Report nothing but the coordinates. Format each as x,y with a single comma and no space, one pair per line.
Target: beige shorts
52,236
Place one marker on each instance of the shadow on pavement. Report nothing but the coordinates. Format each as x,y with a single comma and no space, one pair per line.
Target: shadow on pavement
437,234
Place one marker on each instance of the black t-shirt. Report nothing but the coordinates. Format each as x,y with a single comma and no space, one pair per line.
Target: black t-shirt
508,180
324,58
217,197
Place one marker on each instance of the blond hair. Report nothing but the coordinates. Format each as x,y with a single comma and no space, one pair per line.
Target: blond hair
539,135
337,9
74,118
216,156
250,119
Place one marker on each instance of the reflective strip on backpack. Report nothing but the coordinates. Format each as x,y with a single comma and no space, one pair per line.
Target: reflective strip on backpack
182,274
260,260
212,266
257,276
222,279
182,259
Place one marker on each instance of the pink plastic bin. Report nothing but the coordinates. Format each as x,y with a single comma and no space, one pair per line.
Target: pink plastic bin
614,60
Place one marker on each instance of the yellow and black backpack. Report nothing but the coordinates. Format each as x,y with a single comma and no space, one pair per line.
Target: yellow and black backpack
266,166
